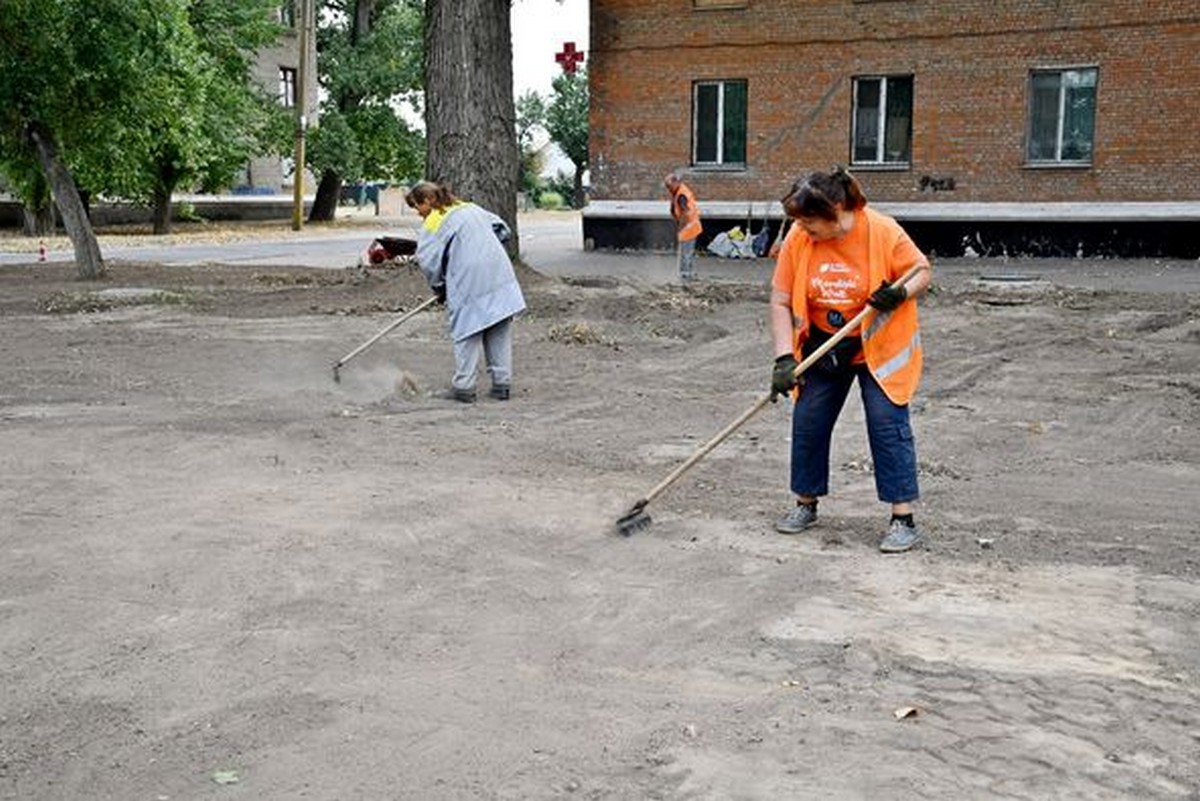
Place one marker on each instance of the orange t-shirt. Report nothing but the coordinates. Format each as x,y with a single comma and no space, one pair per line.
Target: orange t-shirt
839,278
838,281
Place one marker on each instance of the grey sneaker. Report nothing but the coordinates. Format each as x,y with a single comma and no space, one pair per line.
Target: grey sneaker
795,521
500,391
900,538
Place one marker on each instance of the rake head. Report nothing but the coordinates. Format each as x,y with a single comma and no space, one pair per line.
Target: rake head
633,521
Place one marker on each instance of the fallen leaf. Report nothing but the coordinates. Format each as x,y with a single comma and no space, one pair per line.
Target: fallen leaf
225,777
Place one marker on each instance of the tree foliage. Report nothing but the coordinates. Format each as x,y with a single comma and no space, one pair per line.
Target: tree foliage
197,116
567,124
531,117
369,55
66,68
241,119
564,118
128,99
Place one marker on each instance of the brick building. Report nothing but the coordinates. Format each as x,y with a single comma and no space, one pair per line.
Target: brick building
1007,121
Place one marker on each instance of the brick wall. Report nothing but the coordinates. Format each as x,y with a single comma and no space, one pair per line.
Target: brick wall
970,63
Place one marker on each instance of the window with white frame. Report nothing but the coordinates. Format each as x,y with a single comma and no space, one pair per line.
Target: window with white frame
287,87
287,14
719,123
1062,116
882,121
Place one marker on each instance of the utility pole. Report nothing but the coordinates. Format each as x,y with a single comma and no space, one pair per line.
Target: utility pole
301,114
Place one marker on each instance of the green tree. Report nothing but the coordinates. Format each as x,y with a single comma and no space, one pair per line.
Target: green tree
567,124
196,116
128,98
239,119
369,56
66,66
531,117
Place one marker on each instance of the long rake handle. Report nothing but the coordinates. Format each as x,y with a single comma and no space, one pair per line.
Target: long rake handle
761,403
390,326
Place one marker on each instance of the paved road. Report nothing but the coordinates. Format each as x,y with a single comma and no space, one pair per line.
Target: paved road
330,248
552,242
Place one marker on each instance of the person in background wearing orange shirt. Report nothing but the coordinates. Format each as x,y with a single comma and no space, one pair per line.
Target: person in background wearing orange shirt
686,214
839,257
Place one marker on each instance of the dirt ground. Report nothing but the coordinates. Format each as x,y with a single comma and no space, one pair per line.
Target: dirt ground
225,576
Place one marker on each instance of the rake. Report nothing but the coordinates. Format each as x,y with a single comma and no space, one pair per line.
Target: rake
384,332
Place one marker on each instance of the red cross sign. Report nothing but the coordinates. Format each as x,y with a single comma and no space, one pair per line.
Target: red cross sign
569,57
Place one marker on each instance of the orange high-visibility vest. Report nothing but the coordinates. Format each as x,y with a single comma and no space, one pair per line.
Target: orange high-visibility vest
689,225
891,340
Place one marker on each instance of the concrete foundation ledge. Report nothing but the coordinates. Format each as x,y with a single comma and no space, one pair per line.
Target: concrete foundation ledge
1127,230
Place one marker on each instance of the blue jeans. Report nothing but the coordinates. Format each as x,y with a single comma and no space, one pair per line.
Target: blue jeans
888,431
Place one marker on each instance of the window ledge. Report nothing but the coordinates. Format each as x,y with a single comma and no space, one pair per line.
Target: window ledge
718,168
1058,165
874,166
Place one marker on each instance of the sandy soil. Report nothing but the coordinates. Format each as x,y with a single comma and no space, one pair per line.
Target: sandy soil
225,576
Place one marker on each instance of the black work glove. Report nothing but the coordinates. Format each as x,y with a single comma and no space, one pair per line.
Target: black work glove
783,376
440,291
888,296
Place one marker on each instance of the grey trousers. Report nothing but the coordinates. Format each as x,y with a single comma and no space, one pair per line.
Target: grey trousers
495,343
687,260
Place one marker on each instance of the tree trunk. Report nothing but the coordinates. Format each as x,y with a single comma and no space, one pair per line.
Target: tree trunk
38,221
162,211
89,264
580,198
364,10
37,211
329,193
470,119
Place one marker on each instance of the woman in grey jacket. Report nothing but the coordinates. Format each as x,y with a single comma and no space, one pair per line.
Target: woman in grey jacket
461,253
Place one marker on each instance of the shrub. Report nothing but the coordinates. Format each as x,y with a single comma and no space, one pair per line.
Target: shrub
550,201
186,212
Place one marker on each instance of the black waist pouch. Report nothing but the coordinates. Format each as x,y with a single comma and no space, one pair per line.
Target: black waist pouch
839,359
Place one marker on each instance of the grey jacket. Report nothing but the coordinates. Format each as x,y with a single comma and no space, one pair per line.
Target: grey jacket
460,250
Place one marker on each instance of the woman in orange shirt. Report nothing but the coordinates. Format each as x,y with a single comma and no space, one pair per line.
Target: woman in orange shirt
839,257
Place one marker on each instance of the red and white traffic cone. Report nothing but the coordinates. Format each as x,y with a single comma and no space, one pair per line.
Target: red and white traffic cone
42,250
